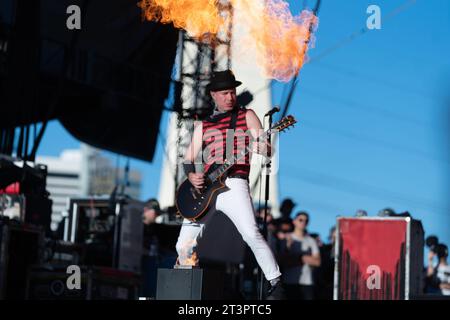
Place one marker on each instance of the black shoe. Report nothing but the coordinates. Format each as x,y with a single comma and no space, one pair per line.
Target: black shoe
276,292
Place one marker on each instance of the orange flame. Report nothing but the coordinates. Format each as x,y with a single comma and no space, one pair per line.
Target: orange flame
278,39
192,260
267,31
186,256
197,17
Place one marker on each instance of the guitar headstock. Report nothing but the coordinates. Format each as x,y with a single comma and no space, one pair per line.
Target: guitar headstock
284,123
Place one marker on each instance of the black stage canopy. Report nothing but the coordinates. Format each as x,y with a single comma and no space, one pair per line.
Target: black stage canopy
106,83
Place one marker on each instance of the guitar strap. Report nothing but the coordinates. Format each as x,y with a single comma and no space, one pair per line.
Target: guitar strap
233,119
230,139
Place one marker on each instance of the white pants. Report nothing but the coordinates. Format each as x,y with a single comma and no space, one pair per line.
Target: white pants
236,204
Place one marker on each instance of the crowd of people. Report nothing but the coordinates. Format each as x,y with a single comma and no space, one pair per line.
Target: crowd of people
437,280
306,261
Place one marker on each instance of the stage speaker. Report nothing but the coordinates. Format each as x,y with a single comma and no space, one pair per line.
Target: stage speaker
221,242
96,283
190,284
378,258
20,248
111,231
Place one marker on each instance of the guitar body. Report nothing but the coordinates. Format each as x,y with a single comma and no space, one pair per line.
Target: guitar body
194,205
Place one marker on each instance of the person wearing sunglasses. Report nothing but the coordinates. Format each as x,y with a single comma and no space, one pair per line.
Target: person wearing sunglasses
298,256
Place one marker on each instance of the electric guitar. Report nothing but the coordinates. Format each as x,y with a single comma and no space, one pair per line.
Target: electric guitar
193,204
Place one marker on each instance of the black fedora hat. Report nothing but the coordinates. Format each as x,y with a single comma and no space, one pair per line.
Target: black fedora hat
222,80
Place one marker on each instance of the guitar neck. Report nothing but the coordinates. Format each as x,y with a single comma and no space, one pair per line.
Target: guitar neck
217,173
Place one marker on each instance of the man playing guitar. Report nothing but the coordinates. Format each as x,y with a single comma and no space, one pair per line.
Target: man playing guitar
236,201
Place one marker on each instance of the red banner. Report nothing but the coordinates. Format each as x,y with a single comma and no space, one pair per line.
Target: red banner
369,249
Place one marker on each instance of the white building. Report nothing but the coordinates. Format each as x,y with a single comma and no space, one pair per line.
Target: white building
80,173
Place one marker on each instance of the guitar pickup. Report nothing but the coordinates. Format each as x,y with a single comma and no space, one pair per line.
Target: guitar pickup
194,193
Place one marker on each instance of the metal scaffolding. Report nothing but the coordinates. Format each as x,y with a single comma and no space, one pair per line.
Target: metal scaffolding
196,60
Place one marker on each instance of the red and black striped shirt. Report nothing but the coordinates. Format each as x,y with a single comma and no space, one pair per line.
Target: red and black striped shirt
215,141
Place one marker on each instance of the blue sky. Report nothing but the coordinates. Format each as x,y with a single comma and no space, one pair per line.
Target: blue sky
374,124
